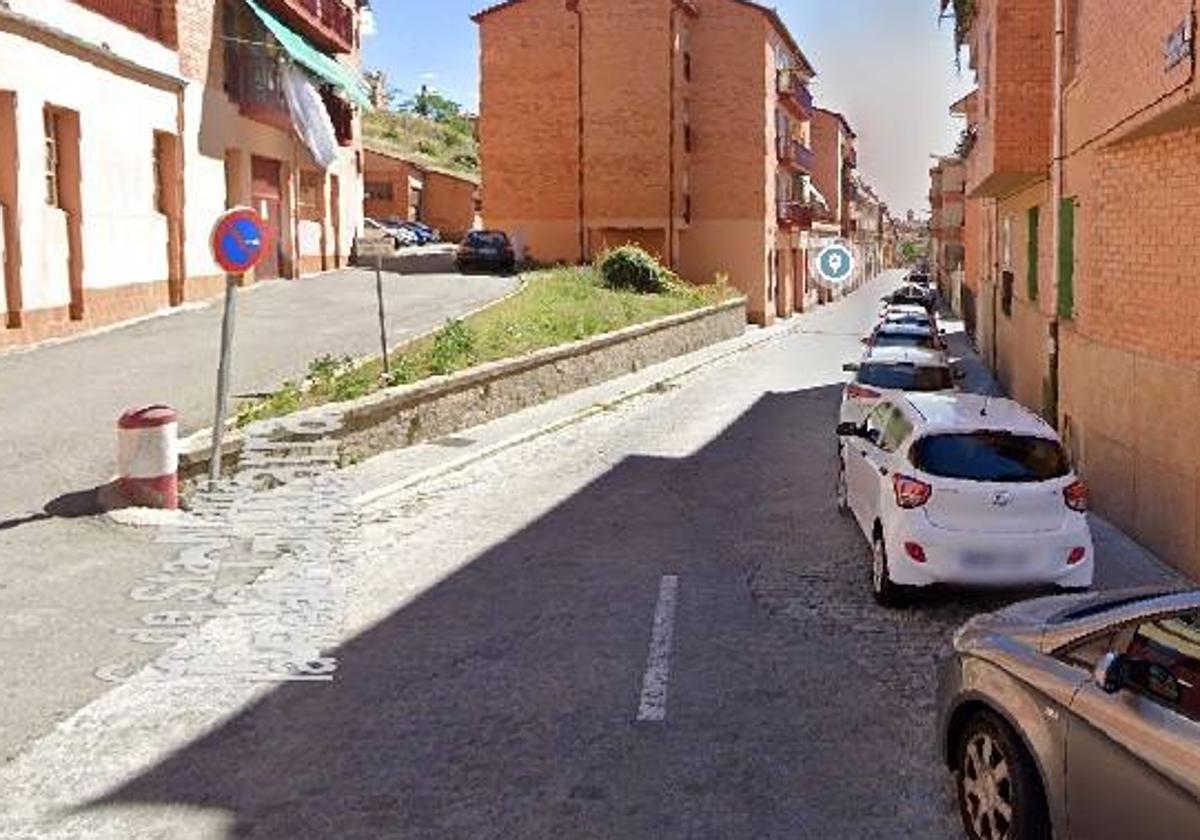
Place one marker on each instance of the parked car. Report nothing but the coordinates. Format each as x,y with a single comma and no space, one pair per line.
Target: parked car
399,236
963,489
427,233
885,371
908,314
915,336
1077,717
913,294
486,249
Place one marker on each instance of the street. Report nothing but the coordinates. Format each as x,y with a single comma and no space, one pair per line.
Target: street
502,637
63,572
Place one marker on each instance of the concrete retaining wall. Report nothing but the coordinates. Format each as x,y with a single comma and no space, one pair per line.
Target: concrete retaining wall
432,408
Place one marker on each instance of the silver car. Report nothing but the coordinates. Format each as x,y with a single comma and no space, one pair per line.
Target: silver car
1077,717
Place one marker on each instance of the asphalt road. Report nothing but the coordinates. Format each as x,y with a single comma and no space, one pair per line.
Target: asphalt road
503,624
63,573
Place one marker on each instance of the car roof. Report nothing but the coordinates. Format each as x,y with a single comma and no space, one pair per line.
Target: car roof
914,308
977,412
904,356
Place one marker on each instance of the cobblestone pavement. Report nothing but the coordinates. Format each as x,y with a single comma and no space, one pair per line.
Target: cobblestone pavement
502,618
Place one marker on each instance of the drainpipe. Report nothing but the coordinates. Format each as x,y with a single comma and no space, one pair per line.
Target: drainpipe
573,6
670,243
1056,195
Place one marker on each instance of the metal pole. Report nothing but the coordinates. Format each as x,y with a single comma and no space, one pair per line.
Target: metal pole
382,323
218,433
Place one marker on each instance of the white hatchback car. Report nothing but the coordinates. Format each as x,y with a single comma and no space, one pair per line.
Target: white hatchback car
963,489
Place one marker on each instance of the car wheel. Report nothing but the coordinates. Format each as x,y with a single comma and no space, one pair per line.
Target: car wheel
843,493
887,594
999,796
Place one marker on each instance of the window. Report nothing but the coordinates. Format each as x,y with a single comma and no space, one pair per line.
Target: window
312,185
53,126
991,456
906,377
896,430
1164,662
687,66
1006,293
876,423
378,190
1031,252
904,339
1087,654
1066,259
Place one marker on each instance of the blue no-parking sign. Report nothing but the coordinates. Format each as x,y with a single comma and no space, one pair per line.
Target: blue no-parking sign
239,240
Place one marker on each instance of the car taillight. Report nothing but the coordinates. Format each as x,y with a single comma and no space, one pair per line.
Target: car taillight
859,392
1076,496
915,551
1076,556
910,493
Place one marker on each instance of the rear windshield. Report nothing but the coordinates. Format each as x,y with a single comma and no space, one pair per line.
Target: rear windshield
990,456
906,377
921,342
493,240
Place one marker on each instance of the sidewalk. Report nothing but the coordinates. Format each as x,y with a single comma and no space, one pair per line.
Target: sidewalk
1120,562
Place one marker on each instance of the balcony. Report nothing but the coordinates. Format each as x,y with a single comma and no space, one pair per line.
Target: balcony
793,92
794,154
329,24
254,83
795,215
154,20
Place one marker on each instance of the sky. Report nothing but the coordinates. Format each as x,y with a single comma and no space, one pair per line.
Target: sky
885,64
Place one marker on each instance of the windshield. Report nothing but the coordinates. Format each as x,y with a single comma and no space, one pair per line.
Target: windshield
991,456
913,340
906,377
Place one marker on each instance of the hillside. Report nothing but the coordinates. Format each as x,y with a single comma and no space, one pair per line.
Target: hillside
448,145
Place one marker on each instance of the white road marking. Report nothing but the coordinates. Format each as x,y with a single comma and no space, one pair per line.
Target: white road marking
658,667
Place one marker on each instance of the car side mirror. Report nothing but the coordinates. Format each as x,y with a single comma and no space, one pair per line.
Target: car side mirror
1109,673
849,430
865,340
852,367
941,331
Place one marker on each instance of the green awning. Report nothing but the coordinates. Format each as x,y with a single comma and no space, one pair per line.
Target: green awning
312,59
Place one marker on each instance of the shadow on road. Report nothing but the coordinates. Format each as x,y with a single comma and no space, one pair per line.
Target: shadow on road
501,702
77,505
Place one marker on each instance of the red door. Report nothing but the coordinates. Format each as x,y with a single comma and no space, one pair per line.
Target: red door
266,196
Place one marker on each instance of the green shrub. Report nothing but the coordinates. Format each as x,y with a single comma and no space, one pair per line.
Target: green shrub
632,269
453,348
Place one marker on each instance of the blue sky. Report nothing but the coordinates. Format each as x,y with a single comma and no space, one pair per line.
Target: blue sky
884,63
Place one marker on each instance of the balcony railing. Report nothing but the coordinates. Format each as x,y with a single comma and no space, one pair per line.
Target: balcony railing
793,90
793,153
154,20
328,23
795,214
255,84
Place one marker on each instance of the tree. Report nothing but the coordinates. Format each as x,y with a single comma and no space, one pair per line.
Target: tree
433,106
963,12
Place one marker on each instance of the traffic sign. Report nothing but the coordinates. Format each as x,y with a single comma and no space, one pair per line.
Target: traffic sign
239,240
835,263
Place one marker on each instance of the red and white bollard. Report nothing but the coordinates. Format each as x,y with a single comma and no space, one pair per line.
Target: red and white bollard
148,456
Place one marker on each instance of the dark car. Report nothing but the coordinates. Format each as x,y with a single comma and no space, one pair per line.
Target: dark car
486,250
1077,717
911,294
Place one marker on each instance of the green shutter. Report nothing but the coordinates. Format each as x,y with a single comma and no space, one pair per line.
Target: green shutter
1031,253
1066,259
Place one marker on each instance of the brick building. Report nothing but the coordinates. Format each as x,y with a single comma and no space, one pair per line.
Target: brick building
947,202
127,127
834,180
1087,269
400,186
681,125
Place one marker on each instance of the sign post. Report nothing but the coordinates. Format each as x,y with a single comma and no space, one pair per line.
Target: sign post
382,323
239,242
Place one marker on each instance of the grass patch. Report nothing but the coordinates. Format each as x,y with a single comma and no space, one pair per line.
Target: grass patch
556,306
449,146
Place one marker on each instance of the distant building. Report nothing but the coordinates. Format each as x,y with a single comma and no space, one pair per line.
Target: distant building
947,185
126,128
401,186
681,125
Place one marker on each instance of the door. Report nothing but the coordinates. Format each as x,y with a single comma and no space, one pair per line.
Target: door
266,196
864,457
335,213
1133,757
